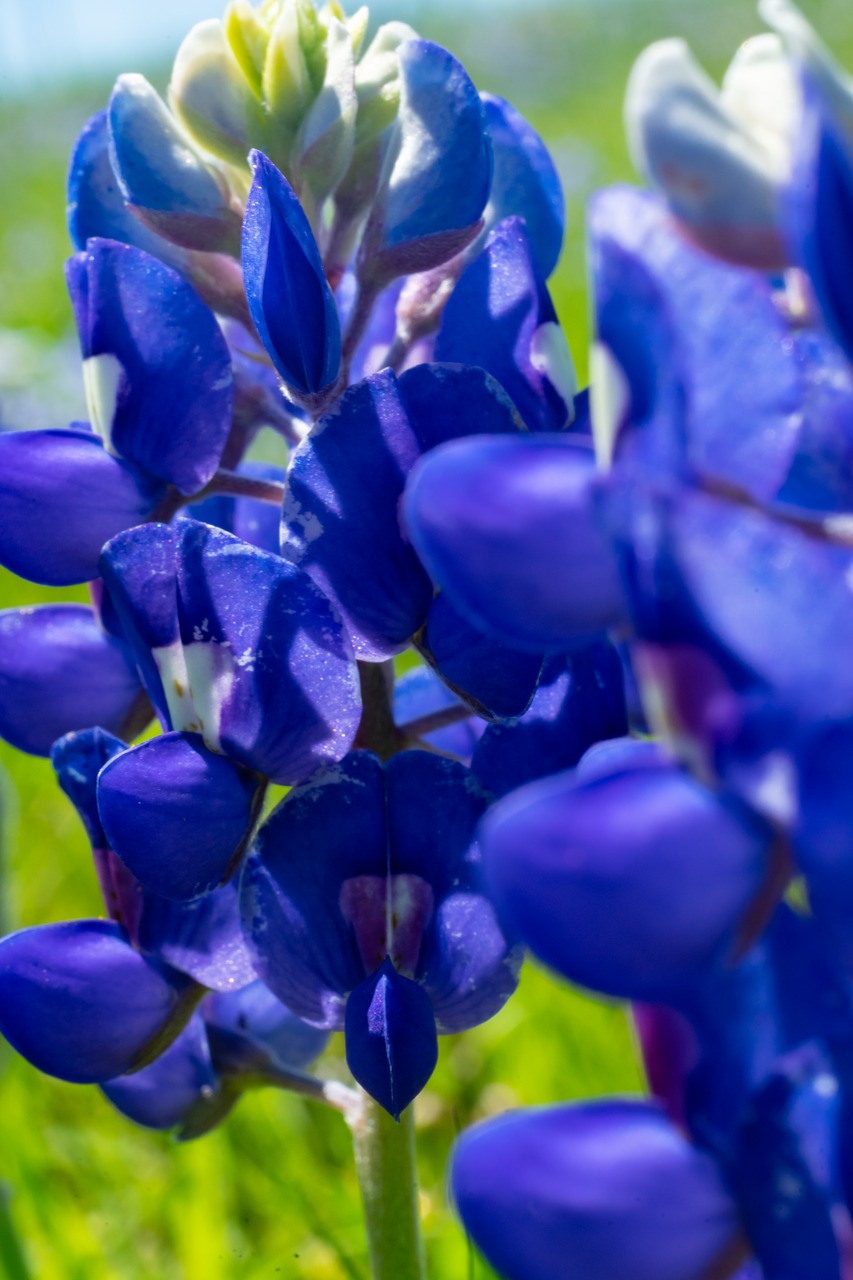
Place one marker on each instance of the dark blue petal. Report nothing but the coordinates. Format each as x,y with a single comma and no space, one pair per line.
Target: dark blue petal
162,392
496,681
159,1096
96,206
594,1192
255,1016
633,884
78,1002
466,964
391,1041
341,519
501,318
63,497
203,938
579,702
525,181
270,671
330,830
823,835
175,813
433,195
77,760
420,692
508,529
163,175
59,671
290,301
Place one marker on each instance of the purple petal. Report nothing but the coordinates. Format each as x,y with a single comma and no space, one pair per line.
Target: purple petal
203,939
78,1002
501,318
324,833
175,813
391,1042
467,965
256,1016
434,195
163,393
160,1095
289,299
579,702
595,1192
633,884
508,529
525,182
59,671
77,760
65,481
356,460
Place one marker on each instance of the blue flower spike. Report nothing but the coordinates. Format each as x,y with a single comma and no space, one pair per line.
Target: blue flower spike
432,197
163,177
290,300
379,926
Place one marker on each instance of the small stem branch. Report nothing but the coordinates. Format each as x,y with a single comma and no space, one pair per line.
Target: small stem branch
385,1165
433,720
255,815
377,730
331,1092
242,487
359,317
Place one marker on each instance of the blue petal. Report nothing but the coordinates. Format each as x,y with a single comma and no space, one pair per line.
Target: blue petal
496,681
175,813
77,760
65,480
323,833
434,195
341,509
163,175
59,671
391,1042
254,1015
501,318
203,939
96,206
78,1002
594,1192
420,692
508,529
579,702
525,181
159,1096
289,299
633,884
164,391
467,965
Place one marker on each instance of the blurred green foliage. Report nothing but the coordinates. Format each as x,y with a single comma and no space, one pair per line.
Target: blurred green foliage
84,1195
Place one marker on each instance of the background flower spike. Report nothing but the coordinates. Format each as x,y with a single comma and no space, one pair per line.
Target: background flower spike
79,1003
391,1041
432,198
289,298
163,177
595,1191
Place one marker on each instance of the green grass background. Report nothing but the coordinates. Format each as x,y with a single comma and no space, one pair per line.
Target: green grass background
84,1195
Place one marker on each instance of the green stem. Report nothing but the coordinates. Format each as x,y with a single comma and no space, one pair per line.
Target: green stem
385,1164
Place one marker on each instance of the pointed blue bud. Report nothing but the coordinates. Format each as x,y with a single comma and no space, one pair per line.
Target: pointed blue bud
289,299
391,1041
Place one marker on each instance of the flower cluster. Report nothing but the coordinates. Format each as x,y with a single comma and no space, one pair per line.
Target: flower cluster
346,244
